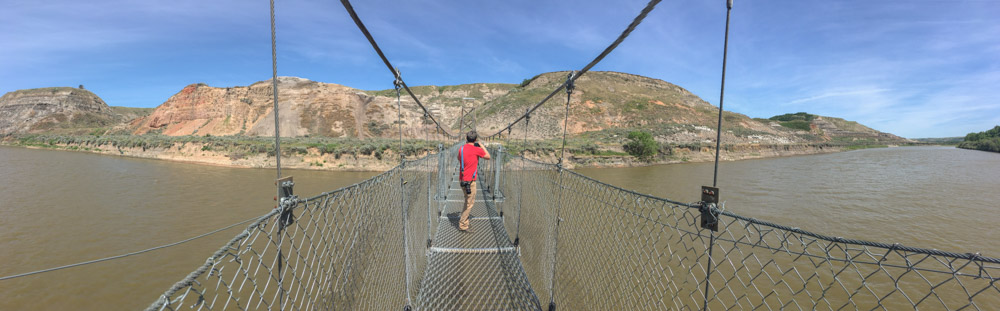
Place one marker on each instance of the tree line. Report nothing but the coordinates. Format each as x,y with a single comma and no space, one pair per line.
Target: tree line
988,140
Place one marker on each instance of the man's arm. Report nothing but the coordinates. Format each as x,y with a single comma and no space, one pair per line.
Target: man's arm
487,156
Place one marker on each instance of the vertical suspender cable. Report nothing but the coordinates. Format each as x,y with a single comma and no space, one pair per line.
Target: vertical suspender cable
718,140
722,93
520,191
398,83
277,156
569,93
274,89
552,285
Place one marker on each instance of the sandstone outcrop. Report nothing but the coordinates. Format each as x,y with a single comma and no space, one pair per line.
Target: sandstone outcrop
53,109
306,108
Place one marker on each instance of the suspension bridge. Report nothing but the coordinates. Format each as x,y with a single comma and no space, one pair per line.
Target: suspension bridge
548,238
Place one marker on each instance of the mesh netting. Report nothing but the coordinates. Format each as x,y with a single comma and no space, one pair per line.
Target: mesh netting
344,249
545,234
618,249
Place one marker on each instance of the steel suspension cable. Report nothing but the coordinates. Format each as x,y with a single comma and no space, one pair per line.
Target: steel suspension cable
402,195
718,143
128,254
628,30
520,183
277,156
371,40
569,94
274,89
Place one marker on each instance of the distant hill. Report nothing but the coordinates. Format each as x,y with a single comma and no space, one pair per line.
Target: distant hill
606,105
53,110
830,128
940,140
604,108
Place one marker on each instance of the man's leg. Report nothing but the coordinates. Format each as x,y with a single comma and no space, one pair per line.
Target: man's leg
470,199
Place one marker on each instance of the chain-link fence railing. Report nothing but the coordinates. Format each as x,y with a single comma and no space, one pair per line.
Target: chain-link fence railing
583,245
617,249
361,247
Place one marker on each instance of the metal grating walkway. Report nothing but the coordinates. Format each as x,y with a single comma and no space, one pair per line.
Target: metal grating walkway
473,271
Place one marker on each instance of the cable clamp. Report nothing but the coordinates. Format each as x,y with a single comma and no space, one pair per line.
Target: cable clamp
287,203
709,212
398,82
569,82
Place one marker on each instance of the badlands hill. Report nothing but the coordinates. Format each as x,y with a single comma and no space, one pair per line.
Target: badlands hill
603,108
60,110
52,109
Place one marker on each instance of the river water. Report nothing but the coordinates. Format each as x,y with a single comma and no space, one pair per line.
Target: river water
931,197
58,208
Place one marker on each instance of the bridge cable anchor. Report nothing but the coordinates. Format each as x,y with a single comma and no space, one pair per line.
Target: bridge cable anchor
709,212
286,201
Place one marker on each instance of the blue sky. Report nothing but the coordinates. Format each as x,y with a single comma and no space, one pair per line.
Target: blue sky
916,68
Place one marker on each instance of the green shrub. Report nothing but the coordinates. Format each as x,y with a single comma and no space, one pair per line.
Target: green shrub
641,145
799,116
798,125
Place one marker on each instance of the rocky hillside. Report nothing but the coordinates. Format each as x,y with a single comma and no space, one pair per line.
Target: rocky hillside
606,105
603,109
830,128
53,109
307,108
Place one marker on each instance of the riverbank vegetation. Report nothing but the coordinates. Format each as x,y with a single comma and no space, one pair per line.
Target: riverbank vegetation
634,148
988,140
237,147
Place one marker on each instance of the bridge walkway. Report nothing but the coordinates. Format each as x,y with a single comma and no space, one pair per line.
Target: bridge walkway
478,270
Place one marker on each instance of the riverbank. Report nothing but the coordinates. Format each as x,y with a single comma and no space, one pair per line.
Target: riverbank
380,154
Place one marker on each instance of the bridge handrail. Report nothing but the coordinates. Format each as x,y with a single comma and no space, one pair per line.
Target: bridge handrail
603,220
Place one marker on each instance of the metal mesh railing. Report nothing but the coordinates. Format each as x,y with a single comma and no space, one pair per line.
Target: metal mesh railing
345,249
582,245
618,249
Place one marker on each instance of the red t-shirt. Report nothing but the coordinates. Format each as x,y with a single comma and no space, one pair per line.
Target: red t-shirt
469,160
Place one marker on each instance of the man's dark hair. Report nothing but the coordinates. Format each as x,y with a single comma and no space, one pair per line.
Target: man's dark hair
471,136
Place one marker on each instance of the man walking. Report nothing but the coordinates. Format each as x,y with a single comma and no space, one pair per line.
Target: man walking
468,159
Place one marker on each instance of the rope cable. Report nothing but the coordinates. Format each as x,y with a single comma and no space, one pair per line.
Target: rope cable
371,40
628,30
127,254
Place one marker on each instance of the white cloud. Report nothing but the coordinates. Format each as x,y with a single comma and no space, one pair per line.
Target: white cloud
852,93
